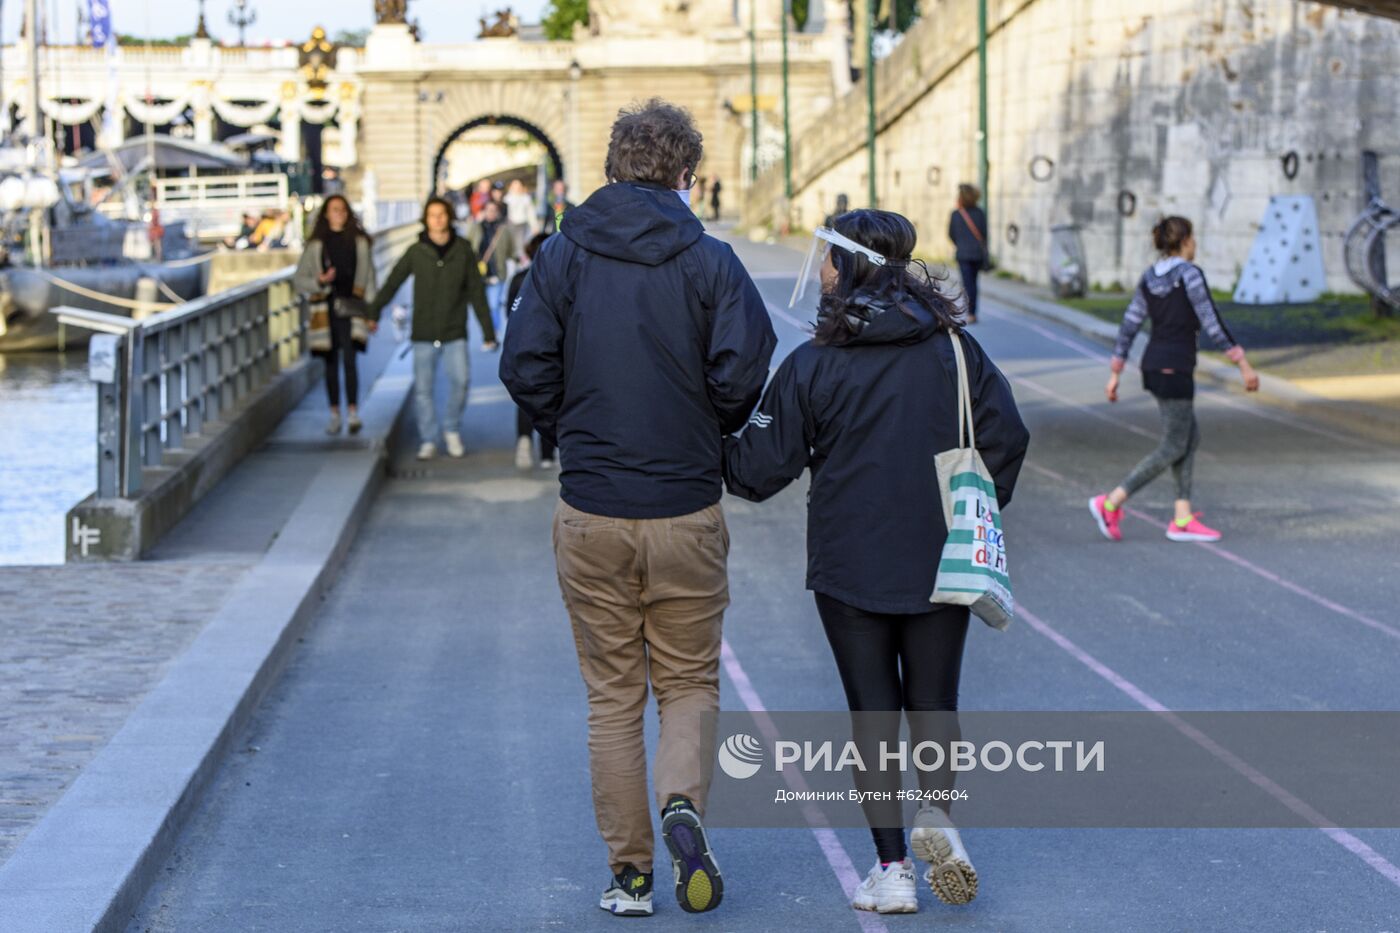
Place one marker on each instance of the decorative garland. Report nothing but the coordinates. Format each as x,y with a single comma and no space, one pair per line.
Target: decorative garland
155,114
71,114
317,114
244,115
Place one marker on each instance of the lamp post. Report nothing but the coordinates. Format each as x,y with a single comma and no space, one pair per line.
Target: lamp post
242,17
870,100
753,92
787,123
982,167
571,173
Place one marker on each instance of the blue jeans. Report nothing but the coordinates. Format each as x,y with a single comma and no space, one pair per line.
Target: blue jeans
457,363
495,299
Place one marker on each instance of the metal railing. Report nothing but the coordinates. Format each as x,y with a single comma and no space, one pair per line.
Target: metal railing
215,203
169,378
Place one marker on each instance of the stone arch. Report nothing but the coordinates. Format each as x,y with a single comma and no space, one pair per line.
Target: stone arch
556,160
538,107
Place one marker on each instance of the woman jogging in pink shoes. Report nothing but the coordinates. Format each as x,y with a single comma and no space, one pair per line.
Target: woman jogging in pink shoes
1174,294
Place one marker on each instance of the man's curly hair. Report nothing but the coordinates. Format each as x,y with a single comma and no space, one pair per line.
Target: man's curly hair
653,142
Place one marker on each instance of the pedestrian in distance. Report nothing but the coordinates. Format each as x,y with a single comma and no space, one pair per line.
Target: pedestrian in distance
520,211
480,195
446,278
715,188
867,404
336,275
1173,293
967,228
555,206
494,241
843,204
637,343
524,430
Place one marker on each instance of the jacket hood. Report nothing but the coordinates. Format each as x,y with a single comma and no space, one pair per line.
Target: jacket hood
876,319
1163,276
451,237
633,222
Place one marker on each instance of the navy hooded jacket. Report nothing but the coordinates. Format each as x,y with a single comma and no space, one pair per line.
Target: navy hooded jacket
869,417
637,343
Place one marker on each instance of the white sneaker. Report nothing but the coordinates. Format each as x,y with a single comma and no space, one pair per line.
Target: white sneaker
454,444
427,450
888,889
333,425
950,873
524,454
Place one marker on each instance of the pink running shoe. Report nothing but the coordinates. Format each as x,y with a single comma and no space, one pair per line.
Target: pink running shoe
1108,521
1195,531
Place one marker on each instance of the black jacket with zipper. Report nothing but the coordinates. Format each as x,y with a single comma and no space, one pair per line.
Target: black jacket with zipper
868,418
637,342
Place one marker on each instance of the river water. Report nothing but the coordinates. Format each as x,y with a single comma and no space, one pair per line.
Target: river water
48,421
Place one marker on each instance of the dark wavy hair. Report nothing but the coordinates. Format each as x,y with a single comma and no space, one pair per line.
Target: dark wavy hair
901,283
653,142
322,228
1169,233
451,214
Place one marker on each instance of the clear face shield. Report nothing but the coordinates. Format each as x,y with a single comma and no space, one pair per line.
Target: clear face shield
817,269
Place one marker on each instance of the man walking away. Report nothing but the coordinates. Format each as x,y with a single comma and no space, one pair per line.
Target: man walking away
639,342
715,188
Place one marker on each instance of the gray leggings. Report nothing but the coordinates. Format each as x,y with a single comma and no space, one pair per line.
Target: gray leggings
1180,438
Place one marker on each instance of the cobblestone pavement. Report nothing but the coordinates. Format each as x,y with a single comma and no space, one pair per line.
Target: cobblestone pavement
80,646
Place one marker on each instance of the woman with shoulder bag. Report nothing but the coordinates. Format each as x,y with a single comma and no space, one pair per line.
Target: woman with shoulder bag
868,404
336,276
967,228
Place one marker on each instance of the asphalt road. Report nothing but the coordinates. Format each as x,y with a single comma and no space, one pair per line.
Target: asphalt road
422,764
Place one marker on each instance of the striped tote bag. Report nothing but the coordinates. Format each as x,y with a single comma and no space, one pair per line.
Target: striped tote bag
972,569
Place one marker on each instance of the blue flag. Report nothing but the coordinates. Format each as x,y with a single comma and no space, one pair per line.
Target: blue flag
100,22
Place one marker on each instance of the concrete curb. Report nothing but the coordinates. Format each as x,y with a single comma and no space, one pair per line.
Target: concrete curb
1371,421
90,860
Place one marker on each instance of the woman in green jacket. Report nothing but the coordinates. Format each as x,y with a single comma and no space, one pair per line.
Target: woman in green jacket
445,278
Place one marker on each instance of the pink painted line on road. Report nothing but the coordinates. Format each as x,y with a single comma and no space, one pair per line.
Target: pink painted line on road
1227,555
836,855
1223,397
1342,837
788,318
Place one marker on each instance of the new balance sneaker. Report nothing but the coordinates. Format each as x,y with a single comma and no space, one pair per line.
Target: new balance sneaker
1108,521
524,453
888,889
629,895
454,444
1194,530
950,873
698,884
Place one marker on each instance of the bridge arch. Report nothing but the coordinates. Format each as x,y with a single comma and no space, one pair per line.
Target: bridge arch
551,150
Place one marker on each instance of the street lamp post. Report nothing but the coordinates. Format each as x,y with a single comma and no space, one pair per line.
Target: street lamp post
870,99
753,91
982,167
787,122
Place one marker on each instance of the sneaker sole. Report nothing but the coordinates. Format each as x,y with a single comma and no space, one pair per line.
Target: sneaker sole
898,907
1098,520
1185,537
698,884
953,880
625,908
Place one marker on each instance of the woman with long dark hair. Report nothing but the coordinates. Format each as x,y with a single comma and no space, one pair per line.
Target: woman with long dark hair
867,405
1174,294
336,274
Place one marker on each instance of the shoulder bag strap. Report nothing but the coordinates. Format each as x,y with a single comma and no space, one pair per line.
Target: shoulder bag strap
966,428
972,227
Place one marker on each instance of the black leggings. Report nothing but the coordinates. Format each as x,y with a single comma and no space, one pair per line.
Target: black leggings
342,347
523,428
890,663
969,272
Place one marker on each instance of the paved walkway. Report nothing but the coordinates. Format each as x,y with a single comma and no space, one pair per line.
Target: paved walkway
422,764
84,643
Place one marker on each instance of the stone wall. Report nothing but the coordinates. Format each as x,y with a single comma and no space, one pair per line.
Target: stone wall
1126,110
